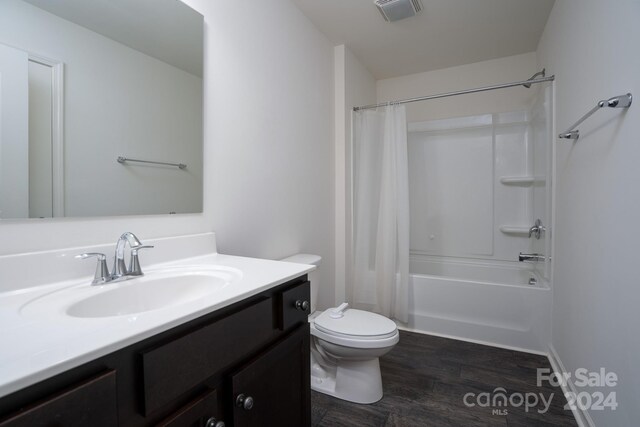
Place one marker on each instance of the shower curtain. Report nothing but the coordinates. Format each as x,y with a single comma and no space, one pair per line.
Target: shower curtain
380,277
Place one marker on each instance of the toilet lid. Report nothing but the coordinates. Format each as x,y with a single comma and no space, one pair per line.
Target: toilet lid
356,323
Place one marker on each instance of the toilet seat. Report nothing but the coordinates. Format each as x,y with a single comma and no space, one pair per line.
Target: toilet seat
357,328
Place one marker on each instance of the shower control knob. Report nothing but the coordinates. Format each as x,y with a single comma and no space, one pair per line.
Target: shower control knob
302,305
212,422
244,402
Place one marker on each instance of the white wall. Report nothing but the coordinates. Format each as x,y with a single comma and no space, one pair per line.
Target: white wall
592,48
268,150
485,73
270,132
118,102
354,86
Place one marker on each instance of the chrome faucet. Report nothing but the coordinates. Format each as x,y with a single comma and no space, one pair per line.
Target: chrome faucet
530,257
120,271
537,229
119,267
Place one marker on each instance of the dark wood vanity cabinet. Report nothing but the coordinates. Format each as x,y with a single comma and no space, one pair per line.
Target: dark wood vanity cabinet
91,402
275,385
243,365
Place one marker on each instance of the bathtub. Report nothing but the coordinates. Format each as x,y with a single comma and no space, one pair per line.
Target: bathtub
485,302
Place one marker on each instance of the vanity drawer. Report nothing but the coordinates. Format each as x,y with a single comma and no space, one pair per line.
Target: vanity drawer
178,366
90,403
198,412
293,310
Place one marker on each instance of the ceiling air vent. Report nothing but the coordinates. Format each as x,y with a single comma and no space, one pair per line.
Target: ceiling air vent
394,10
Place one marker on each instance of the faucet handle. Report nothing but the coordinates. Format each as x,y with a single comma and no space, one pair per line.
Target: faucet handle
537,229
134,263
101,275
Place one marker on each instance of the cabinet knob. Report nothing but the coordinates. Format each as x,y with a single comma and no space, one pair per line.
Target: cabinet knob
212,422
302,305
244,402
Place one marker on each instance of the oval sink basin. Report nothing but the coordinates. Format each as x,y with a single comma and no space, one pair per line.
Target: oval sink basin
147,295
155,290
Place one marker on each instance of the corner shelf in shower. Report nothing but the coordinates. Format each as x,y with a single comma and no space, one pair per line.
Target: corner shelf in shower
524,181
514,230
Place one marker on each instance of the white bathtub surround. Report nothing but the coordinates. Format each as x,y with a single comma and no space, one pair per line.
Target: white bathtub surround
489,303
478,183
480,164
540,152
381,212
479,177
39,340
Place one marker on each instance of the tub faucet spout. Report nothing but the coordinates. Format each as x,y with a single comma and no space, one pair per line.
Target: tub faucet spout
530,257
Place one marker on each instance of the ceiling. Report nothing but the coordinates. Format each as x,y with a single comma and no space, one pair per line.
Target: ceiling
445,34
168,30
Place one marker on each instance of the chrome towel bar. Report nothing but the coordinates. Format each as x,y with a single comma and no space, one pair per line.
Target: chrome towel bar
621,101
126,159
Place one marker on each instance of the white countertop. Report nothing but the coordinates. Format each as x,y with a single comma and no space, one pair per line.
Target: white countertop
36,345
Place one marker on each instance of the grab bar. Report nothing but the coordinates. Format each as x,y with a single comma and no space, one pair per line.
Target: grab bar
126,159
621,101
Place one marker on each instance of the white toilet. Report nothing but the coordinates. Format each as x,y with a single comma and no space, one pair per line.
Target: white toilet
345,346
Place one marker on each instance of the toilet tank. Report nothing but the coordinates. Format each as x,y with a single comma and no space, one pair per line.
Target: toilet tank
313,276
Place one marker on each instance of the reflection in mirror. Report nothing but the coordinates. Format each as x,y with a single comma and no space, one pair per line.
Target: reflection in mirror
84,82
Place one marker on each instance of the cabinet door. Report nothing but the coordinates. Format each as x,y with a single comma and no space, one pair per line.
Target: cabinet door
201,412
274,389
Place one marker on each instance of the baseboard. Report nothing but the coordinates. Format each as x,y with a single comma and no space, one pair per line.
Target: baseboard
582,416
459,338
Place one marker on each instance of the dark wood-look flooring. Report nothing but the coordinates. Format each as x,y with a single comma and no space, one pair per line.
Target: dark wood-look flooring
425,379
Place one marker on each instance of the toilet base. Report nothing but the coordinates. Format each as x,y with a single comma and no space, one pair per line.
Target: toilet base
354,381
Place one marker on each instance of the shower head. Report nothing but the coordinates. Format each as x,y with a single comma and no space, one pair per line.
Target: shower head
539,73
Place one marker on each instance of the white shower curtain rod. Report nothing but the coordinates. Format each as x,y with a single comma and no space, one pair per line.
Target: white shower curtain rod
459,92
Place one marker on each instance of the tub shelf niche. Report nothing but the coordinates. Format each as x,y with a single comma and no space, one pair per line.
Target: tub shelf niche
523,181
514,230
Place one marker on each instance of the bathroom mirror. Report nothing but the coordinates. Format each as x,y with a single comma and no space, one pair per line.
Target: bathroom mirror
85,83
